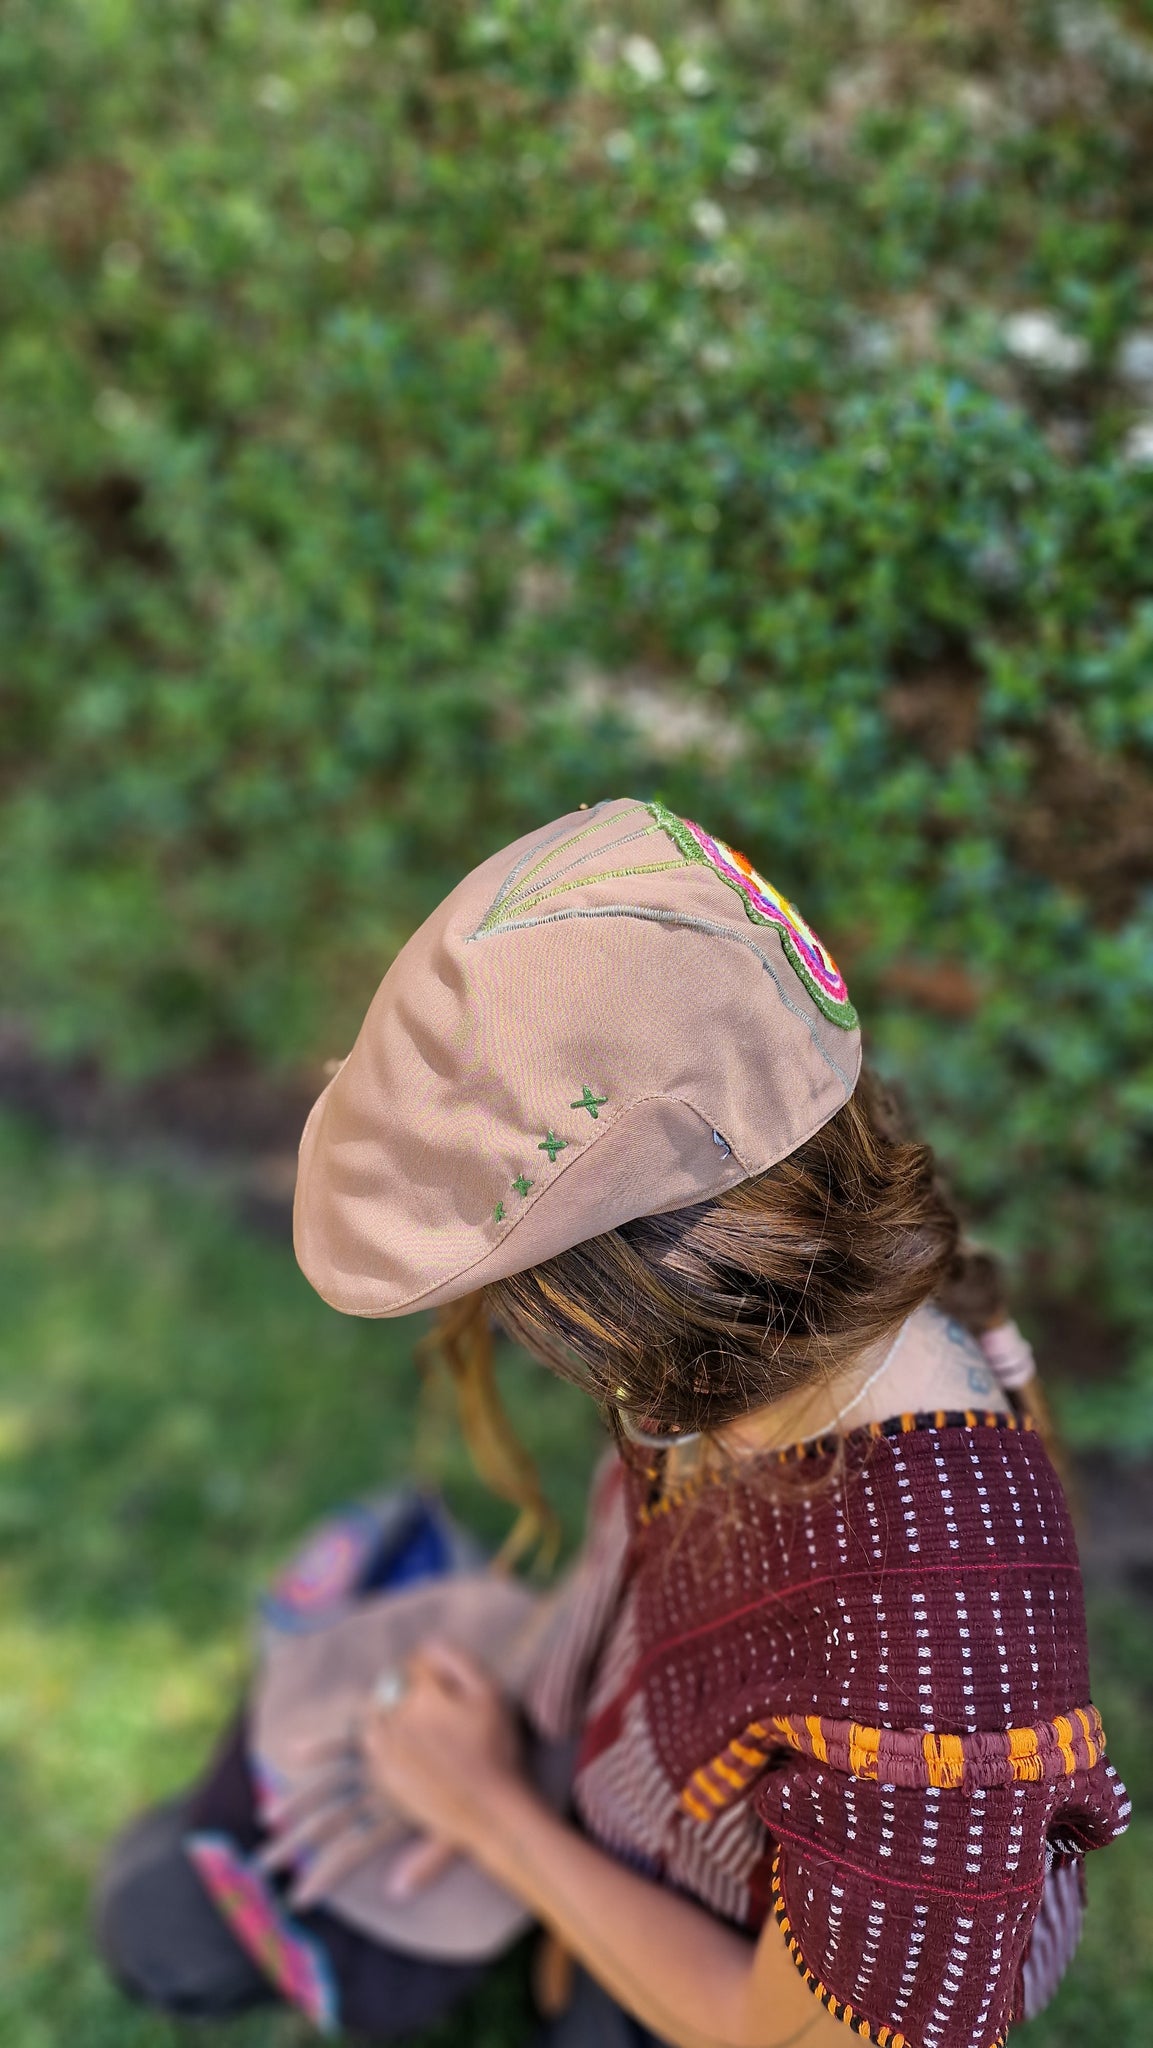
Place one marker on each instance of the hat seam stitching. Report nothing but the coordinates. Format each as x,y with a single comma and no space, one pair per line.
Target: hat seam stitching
540,846
589,853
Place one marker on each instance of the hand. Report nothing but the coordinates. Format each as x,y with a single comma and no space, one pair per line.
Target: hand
449,1751
343,1809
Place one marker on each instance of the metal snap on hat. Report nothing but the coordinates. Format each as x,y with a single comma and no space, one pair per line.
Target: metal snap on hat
612,1017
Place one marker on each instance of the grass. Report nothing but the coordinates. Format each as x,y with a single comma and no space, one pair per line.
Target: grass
175,1405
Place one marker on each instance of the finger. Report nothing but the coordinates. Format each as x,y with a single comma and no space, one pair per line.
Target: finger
328,1748
294,1845
451,1666
312,1796
418,1866
340,1860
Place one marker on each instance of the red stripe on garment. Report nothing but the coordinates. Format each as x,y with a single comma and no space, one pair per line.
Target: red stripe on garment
876,1876
593,1738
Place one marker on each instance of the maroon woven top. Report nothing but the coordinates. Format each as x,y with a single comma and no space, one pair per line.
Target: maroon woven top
866,1712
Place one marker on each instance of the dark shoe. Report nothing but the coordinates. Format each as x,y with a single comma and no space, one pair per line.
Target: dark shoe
157,1931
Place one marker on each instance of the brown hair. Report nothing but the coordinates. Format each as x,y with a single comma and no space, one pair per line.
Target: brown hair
690,1319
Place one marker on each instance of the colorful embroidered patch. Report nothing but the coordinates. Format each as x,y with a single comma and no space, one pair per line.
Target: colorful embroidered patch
322,1574
291,1959
810,960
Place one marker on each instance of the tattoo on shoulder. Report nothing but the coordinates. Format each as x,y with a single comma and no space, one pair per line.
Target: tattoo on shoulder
982,1380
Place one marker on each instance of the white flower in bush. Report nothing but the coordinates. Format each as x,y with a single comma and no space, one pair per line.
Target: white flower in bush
1138,448
1135,357
359,30
275,94
1039,339
708,218
644,59
744,161
693,79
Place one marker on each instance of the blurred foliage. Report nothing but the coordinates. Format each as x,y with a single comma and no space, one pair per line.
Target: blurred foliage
175,1406
418,419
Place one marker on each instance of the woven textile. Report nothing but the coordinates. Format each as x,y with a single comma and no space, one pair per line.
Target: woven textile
866,1712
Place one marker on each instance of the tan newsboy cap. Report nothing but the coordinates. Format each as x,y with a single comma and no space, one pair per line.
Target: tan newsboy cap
614,1016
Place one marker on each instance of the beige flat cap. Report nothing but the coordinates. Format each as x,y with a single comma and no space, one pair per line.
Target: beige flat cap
612,1017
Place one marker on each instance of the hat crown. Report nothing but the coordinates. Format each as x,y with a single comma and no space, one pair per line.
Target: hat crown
614,1016
625,841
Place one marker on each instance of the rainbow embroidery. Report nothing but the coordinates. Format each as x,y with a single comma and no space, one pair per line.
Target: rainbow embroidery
291,1959
808,957
323,1573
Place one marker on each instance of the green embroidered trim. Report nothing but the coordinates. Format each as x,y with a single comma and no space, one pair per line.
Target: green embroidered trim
498,1213
522,1184
833,1003
551,1144
532,893
678,832
593,1103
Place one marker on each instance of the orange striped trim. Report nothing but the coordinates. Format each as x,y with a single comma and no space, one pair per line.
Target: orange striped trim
784,1726
944,1759
726,1771
910,1758
1087,1728
1024,1756
1064,1730
851,2016
864,1744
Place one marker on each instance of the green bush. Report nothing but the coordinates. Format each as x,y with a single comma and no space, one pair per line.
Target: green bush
416,420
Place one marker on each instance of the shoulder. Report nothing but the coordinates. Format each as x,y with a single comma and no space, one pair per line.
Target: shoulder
955,1564
940,1364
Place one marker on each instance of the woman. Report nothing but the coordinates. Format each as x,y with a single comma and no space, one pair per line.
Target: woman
823,1654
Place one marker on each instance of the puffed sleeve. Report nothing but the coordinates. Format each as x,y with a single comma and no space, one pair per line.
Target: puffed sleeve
578,1610
931,1888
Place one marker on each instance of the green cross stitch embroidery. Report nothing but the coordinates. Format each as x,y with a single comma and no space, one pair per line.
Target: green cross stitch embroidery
522,1184
551,1144
590,1102
498,1213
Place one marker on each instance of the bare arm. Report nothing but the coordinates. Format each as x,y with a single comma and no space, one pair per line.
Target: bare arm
677,1968
447,1757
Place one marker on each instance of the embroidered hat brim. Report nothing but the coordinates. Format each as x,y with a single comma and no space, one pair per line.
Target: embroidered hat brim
613,1017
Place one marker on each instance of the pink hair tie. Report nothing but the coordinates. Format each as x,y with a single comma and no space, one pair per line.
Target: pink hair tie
1009,1354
